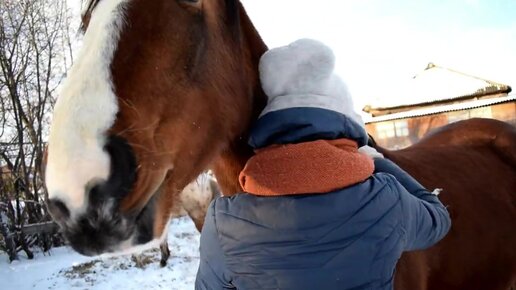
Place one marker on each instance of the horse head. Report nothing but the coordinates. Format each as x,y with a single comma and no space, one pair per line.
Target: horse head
161,91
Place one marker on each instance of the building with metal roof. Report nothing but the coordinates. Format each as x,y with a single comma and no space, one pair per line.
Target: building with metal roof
433,98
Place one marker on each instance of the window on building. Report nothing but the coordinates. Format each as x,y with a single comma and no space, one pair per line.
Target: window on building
392,129
401,128
483,112
385,130
457,116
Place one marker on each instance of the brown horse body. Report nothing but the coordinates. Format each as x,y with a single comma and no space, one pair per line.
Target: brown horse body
182,88
474,162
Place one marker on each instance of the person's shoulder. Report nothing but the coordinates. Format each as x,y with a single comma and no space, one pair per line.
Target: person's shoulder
385,179
385,184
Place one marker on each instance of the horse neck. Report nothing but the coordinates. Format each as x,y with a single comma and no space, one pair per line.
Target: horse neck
233,159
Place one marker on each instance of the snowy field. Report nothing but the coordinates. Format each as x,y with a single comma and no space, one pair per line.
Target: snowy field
64,269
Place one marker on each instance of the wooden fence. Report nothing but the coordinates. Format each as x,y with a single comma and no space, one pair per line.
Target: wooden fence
23,238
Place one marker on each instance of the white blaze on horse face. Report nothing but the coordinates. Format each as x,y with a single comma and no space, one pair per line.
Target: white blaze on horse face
84,111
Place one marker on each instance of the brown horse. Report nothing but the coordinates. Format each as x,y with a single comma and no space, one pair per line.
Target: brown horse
161,91
166,88
474,162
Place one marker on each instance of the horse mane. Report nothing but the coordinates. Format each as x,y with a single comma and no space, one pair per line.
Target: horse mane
255,41
233,159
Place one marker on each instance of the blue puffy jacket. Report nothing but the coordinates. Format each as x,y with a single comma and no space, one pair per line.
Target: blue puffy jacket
346,239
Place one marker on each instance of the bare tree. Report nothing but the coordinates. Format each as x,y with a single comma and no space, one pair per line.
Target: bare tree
35,50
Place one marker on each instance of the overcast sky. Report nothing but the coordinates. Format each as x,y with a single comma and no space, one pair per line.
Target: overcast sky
381,44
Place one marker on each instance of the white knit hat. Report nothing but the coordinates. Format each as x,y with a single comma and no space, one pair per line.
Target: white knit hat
302,75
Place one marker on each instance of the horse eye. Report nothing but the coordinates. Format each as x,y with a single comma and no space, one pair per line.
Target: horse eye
189,1
194,6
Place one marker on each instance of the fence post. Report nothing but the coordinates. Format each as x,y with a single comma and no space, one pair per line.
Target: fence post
10,243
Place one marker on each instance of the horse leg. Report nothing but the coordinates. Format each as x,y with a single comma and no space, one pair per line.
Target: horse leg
196,198
165,253
197,215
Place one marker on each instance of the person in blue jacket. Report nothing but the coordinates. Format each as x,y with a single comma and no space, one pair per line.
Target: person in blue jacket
317,211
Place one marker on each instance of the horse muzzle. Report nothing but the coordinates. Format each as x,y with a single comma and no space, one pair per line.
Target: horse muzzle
103,228
100,226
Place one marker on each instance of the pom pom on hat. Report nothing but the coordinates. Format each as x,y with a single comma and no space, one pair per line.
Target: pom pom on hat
302,75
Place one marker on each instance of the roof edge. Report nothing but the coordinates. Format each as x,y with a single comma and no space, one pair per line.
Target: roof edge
506,90
494,89
441,109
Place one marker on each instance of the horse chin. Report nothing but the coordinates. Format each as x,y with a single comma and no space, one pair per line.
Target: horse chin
91,236
105,229
143,237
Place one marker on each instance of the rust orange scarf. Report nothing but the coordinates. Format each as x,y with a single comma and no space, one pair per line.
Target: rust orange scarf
311,167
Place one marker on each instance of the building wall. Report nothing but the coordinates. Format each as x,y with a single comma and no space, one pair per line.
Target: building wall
398,134
505,112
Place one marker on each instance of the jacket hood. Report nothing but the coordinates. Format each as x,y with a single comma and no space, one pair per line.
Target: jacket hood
304,124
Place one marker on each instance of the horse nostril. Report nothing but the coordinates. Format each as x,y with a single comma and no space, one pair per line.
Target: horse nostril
58,210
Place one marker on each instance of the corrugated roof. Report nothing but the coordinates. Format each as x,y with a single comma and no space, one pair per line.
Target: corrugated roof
441,109
438,84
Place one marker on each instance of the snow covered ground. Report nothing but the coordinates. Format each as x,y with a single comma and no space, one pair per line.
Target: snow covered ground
65,269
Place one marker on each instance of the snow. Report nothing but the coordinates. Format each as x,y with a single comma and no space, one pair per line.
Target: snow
65,269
